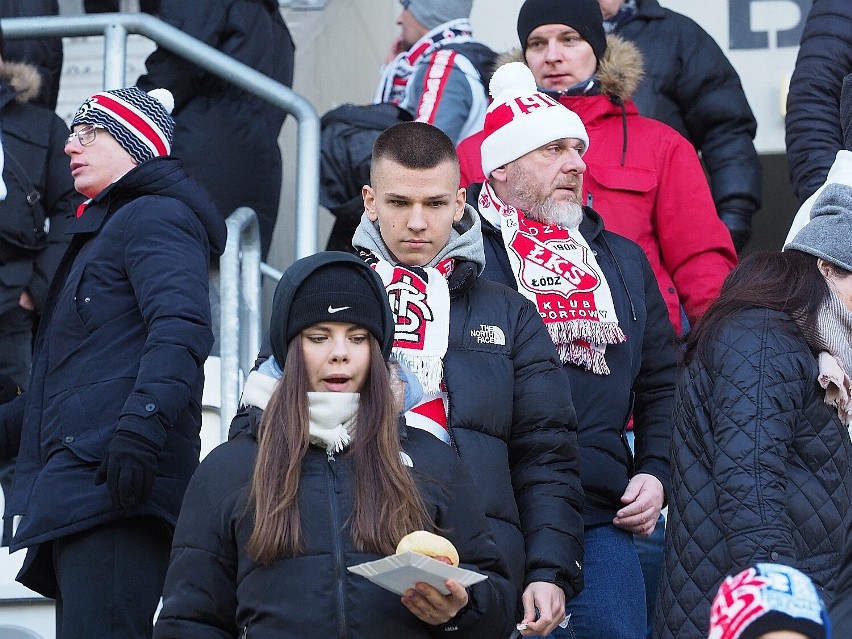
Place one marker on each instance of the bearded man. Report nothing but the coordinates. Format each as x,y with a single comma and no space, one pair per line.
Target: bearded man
600,301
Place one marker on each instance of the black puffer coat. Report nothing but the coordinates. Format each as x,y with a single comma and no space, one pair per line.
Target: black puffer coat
642,381
813,131
761,470
227,138
215,591
691,86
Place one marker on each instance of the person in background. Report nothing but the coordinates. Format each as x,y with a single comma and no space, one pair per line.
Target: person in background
44,53
38,202
643,177
691,86
327,477
493,386
209,109
841,171
603,310
761,453
813,133
107,432
769,601
436,44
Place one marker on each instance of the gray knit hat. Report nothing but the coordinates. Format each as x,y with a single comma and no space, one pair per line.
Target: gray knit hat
432,13
829,233
140,122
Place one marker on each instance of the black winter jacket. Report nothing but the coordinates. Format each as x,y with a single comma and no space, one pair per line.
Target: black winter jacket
214,590
227,138
34,137
122,344
691,86
761,469
642,380
813,131
512,422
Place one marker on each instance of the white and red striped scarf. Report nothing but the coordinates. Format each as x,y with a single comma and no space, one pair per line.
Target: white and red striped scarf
555,268
420,300
395,75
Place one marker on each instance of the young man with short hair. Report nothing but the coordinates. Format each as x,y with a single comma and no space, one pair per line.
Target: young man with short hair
493,385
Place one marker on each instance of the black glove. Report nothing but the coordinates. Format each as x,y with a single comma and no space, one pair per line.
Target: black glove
129,469
739,226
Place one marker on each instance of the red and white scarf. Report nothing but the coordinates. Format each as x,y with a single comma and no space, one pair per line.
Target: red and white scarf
555,268
395,76
420,301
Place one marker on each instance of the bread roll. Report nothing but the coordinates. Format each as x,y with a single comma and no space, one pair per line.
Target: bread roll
429,544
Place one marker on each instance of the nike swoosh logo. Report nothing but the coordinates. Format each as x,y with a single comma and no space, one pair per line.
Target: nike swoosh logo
333,310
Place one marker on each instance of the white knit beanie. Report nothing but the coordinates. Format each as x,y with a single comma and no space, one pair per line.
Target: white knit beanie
520,119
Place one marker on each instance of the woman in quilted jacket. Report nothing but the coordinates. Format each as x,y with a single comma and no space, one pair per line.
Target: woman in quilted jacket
761,454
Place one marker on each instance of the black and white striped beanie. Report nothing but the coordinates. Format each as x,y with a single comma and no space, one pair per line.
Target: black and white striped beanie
141,122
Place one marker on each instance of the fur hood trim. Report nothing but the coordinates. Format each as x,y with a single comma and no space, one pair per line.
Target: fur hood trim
23,78
620,71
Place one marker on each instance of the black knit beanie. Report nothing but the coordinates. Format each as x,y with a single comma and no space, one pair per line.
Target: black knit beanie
582,15
336,293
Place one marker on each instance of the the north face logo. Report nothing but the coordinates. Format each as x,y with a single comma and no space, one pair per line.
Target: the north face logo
489,335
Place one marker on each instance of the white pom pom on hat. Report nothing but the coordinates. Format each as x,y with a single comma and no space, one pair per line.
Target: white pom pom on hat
165,97
521,118
512,80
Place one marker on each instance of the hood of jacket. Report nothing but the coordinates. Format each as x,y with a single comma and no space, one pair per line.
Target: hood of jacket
293,278
19,82
465,243
620,72
162,176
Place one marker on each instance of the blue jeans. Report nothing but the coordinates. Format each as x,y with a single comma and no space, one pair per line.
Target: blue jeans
612,602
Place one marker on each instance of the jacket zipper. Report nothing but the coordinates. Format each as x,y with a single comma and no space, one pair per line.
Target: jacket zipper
339,568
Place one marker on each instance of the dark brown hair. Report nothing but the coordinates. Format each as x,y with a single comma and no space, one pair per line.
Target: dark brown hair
787,281
387,504
414,145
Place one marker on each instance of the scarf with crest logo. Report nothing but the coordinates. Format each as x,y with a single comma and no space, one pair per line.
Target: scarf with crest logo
395,76
555,269
420,301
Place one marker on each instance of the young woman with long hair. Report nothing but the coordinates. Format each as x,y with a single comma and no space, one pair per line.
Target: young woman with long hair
323,475
760,455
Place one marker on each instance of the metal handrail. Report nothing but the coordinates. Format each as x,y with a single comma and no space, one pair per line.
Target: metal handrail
116,26
239,337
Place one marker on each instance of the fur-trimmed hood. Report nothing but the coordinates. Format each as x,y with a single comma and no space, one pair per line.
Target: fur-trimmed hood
23,79
620,72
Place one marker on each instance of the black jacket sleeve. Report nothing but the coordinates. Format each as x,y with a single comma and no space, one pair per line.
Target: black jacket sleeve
813,132
544,459
655,385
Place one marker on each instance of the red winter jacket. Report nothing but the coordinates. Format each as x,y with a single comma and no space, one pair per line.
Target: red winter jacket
648,186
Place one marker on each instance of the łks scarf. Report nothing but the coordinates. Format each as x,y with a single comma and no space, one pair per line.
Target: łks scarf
395,76
555,269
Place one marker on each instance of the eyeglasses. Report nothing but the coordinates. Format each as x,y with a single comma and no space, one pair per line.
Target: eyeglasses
85,136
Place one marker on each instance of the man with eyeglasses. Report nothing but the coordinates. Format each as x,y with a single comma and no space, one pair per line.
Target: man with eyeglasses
107,435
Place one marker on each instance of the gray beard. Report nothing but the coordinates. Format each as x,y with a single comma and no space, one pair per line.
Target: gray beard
566,214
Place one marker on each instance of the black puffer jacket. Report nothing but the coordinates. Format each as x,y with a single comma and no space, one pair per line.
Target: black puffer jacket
215,591
511,420
813,131
761,469
212,115
643,374
691,86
